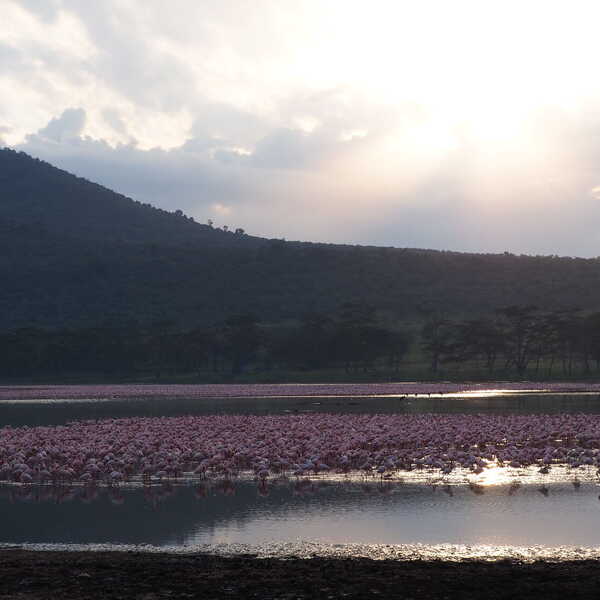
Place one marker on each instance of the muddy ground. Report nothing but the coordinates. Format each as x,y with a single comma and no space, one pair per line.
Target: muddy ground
111,575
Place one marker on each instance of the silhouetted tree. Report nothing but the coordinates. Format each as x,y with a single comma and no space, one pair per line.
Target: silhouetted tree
519,329
242,339
437,339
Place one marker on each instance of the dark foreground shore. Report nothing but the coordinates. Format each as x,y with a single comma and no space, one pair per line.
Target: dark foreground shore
112,575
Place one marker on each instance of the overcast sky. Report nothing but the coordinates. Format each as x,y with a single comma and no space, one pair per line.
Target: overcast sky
457,125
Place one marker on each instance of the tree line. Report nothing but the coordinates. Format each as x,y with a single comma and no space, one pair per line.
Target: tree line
514,341
519,339
352,339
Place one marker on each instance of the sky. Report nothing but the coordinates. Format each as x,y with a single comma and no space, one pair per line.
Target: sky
465,125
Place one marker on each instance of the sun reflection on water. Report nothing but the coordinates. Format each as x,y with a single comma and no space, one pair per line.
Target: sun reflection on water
481,393
491,393
492,475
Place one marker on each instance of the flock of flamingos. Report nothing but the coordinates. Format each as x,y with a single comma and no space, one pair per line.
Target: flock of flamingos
115,451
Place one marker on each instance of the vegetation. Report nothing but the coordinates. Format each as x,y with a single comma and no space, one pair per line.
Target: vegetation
96,283
353,343
74,255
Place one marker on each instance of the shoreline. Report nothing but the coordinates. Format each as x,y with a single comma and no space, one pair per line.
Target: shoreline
304,550
31,575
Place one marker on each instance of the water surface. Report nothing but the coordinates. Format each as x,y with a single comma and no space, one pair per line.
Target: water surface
556,514
55,412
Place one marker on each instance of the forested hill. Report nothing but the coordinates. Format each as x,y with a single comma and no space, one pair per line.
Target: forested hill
35,192
75,254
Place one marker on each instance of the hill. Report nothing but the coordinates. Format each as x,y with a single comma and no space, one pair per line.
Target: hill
73,253
33,192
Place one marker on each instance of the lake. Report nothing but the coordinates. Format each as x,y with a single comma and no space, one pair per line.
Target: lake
536,511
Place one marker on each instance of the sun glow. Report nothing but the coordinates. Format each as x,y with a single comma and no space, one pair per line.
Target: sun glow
477,69
473,70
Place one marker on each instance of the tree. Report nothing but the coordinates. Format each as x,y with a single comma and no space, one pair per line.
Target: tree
309,344
242,339
359,341
519,329
478,338
436,335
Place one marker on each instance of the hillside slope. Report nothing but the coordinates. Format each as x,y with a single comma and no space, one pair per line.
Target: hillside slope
73,253
34,192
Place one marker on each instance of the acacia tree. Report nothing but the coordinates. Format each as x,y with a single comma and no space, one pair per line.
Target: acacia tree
396,345
561,337
358,341
437,338
242,339
478,339
312,340
591,330
519,330
195,348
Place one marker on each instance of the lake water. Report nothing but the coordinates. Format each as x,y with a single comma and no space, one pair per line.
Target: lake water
556,514
57,412
543,513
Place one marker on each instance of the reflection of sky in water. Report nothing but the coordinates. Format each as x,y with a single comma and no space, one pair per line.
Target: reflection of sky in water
553,514
420,515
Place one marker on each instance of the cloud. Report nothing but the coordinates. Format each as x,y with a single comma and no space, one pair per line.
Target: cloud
112,117
9,58
45,10
69,125
288,148
3,130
